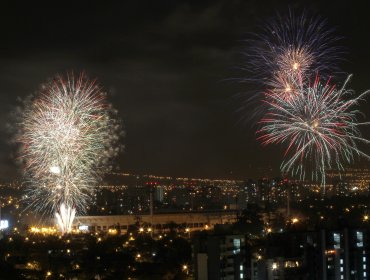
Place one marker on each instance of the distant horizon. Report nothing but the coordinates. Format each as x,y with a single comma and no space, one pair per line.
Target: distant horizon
195,178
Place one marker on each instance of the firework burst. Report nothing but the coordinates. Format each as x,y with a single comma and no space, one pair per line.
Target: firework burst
284,50
68,135
294,45
318,127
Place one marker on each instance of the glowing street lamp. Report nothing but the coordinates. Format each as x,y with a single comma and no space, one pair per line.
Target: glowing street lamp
274,266
295,220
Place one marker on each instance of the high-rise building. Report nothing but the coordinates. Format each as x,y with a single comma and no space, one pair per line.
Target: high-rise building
346,254
219,257
318,255
159,193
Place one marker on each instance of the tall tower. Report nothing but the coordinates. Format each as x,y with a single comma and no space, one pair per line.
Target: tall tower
151,186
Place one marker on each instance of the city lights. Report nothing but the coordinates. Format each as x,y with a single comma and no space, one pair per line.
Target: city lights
112,231
185,268
43,230
295,220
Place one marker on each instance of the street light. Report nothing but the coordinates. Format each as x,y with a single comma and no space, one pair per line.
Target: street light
188,231
295,220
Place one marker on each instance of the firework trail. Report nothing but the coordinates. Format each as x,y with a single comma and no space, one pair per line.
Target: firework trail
65,218
68,135
318,127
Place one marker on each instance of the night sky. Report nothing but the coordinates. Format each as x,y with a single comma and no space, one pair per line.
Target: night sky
170,68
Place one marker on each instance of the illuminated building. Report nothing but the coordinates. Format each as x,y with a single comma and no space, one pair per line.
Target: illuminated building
158,222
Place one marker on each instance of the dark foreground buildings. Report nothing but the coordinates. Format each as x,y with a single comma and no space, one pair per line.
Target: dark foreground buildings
322,255
219,256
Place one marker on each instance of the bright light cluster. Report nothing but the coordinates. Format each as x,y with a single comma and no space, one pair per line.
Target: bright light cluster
43,230
68,135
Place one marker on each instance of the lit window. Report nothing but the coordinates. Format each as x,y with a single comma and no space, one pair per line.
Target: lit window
341,269
341,261
236,243
360,239
336,237
364,259
241,267
241,275
364,266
